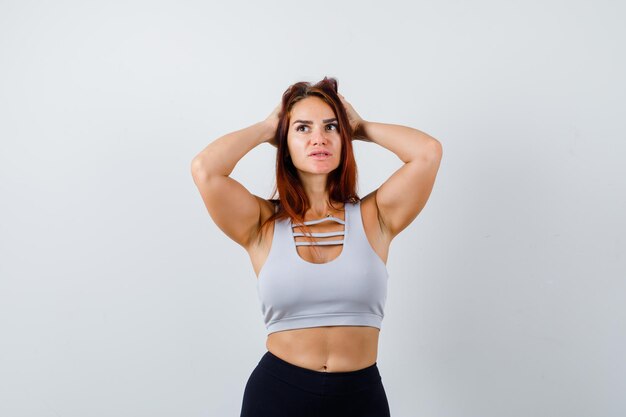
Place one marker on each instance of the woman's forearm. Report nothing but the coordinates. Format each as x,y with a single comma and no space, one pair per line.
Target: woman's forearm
221,155
406,142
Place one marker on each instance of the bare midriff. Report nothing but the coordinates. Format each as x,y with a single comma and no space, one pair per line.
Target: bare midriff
328,348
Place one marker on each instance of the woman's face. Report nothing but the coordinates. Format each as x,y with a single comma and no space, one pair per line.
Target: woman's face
313,128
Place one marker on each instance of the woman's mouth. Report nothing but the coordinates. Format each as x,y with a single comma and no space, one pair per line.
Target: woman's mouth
320,155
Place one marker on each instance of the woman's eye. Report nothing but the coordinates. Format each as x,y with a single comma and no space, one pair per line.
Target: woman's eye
335,126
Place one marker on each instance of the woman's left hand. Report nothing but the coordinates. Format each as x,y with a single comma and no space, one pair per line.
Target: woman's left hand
356,121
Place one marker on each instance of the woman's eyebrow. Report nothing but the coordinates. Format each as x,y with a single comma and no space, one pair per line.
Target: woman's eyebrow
308,122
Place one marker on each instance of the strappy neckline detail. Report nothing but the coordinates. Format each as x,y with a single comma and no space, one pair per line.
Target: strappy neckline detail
320,234
294,245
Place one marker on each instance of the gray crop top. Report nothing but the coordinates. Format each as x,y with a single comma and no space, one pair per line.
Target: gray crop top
350,290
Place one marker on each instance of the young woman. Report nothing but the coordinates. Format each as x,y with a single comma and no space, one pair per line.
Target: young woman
319,251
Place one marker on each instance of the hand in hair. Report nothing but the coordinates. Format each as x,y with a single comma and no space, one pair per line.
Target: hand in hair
272,121
355,120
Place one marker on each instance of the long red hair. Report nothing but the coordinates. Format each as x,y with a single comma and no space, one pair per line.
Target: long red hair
341,183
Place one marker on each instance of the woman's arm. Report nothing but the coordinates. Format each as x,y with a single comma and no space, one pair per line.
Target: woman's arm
221,156
404,194
231,206
401,198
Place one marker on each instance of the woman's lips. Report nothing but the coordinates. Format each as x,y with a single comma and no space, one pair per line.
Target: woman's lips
320,156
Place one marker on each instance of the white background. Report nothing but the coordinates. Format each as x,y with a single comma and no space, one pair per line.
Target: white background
120,297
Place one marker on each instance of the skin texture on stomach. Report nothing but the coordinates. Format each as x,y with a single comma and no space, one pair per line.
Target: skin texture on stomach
327,348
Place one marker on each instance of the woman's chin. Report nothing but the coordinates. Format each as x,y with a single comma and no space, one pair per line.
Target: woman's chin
318,170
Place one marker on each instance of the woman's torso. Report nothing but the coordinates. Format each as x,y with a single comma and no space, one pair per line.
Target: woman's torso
328,348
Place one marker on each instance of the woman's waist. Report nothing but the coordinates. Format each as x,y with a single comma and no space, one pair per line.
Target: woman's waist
327,348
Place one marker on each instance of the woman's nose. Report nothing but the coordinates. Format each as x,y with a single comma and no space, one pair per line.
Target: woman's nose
319,137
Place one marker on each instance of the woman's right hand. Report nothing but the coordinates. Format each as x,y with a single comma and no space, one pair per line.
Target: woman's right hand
272,122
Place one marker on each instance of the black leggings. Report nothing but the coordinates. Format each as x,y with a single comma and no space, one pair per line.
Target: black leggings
277,388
